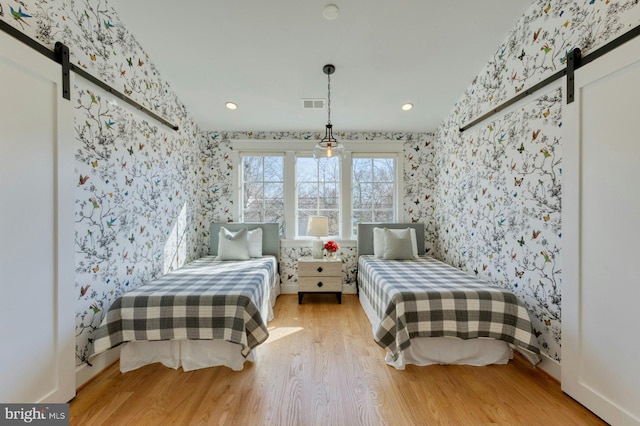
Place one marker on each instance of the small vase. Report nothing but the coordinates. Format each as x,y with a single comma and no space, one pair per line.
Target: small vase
331,255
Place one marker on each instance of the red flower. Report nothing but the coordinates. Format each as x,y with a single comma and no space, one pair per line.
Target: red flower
331,246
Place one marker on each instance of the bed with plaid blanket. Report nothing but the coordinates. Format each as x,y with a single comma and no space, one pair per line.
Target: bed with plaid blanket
204,300
428,298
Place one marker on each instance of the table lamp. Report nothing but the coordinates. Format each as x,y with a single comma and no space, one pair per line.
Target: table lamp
318,226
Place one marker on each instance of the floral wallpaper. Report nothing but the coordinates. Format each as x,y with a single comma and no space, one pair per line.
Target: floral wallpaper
137,197
217,194
499,184
490,197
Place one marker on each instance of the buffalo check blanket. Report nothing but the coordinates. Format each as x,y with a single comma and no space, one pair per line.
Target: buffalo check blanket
428,298
206,299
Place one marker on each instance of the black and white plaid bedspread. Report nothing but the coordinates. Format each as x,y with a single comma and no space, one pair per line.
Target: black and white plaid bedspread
206,299
428,298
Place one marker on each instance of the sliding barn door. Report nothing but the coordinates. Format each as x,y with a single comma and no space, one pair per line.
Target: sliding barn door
601,233
36,230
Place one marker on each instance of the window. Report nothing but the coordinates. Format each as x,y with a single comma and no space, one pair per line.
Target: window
373,191
279,181
263,189
318,192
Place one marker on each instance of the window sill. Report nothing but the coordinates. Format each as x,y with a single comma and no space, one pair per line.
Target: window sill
306,242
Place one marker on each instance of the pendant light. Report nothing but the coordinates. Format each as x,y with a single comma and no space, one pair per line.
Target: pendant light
328,146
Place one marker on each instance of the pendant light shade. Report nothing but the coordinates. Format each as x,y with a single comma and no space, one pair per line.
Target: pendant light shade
328,146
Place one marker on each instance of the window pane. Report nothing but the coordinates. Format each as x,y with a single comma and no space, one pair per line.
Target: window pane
373,190
273,169
303,220
362,169
252,216
263,188
306,170
383,170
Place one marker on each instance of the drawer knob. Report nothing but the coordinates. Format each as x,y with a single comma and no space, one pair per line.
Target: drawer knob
320,284
319,269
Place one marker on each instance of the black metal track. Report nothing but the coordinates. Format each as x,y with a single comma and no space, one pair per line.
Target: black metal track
61,56
574,62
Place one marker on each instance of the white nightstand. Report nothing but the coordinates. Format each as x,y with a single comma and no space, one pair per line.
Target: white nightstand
319,276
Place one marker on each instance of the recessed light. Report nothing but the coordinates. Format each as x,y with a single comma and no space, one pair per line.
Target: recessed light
331,12
407,107
231,105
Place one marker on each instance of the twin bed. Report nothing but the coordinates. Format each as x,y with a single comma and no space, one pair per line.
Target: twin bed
214,312
424,311
210,312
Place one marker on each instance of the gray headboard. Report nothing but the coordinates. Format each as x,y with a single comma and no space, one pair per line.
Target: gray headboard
270,236
365,235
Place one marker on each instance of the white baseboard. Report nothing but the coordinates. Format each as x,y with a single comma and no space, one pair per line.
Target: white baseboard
293,289
550,366
84,372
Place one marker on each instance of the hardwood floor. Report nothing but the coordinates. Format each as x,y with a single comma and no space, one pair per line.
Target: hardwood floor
320,366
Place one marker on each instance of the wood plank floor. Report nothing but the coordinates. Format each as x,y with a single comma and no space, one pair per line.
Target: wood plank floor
320,366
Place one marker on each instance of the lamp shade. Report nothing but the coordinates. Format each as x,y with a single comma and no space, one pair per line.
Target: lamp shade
318,226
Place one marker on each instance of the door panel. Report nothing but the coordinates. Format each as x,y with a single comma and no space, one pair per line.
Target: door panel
36,303
601,223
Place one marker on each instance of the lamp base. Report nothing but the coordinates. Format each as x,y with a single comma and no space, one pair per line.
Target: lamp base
316,251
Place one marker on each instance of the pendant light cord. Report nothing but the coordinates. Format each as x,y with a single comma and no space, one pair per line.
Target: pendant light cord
329,99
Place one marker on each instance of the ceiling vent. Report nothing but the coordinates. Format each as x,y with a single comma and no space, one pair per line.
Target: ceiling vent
313,103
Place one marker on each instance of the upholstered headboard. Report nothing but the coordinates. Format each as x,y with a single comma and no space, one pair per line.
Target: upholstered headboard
365,235
270,236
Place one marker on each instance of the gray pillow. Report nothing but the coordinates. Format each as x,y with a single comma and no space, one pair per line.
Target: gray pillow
233,245
397,245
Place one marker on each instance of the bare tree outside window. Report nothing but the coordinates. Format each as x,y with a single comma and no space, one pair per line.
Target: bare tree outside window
373,190
263,189
318,189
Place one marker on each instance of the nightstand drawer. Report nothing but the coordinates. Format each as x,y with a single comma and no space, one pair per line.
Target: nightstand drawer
319,269
311,284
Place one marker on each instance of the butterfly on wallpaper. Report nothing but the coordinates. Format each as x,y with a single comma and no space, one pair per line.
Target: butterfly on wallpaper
128,181
83,289
95,308
545,152
536,34
94,202
518,182
544,254
96,269
111,222
130,270
521,241
546,218
140,146
547,322
537,333
130,150
417,201
521,148
108,25
132,238
519,274
535,234
521,55
415,166
140,63
83,179
94,163
535,134
546,113
127,91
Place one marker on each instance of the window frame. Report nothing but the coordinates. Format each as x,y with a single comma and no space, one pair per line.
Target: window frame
290,149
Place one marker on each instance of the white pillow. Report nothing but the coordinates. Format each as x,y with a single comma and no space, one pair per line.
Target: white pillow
233,245
255,242
378,241
397,245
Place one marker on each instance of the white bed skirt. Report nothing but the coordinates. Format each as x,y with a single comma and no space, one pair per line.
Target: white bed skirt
193,354
443,350
188,354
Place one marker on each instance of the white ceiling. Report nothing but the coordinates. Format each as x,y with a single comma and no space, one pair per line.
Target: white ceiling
266,55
